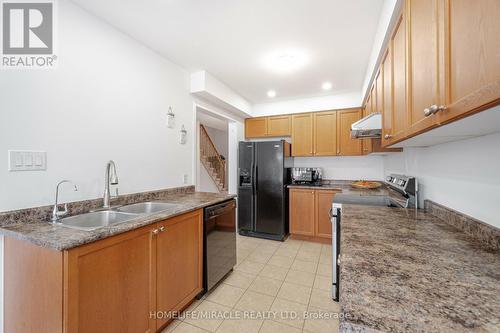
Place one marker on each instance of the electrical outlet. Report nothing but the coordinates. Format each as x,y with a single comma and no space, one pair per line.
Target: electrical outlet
184,179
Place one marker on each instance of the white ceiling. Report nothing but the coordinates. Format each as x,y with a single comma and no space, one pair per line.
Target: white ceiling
229,38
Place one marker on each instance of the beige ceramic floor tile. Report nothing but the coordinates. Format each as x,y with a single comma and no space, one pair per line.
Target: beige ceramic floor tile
325,259
322,299
171,326
240,324
302,278
289,313
323,283
311,247
250,267
294,292
226,295
308,256
240,279
266,286
270,326
304,266
274,272
289,253
292,244
198,317
186,328
320,321
324,270
280,261
261,257
252,301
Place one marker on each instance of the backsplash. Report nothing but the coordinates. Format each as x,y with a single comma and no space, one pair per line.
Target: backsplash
345,167
483,232
44,213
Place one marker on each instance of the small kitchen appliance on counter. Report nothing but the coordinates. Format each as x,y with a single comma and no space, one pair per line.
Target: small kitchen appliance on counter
306,176
402,192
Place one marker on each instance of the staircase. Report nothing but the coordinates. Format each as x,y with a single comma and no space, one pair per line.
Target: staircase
212,161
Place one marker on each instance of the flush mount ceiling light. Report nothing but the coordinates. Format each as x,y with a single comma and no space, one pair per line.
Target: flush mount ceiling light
326,86
285,61
271,93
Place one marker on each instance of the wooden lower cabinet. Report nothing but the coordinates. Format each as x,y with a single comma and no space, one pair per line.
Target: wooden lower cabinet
301,212
322,205
309,213
179,262
117,284
110,284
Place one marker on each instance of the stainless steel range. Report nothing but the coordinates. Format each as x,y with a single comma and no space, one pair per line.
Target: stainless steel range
402,192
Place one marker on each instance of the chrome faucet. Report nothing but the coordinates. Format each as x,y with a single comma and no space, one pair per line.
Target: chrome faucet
56,212
110,179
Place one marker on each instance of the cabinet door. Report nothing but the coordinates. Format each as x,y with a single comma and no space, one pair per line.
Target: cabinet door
279,125
387,105
302,135
256,127
398,43
323,201
346,145
424,53
325,133
110,286
366,144
473,63
179,261
302,212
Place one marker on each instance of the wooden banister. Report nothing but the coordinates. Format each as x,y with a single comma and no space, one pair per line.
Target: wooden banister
211,159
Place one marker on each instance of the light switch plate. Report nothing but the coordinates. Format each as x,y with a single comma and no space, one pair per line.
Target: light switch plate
184,179
27,160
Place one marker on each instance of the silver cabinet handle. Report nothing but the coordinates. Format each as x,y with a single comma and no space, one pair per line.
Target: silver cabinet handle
162,228
387,136
433,109
330,213
156,231
338,260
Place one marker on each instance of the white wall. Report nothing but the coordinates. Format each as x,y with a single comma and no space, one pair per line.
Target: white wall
107,99
345,167
339,101
462,175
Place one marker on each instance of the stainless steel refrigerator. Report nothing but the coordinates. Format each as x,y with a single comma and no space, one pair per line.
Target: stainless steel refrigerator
263,173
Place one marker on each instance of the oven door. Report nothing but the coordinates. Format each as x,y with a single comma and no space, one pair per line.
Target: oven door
335,217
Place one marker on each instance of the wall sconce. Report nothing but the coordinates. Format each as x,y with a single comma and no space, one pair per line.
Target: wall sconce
183,135
170,118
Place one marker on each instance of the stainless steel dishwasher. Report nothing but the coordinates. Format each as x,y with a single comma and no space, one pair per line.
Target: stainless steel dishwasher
219,242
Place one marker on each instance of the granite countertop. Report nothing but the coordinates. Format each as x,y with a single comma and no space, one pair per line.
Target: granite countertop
408,271
40,232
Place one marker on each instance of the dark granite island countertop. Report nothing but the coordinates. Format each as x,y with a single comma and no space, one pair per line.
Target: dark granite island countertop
408,271
40,232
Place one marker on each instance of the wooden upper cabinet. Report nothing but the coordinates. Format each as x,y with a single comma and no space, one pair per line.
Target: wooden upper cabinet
398,43
179,261
424,65
472,57
302,134
279,125
256,127
387,92
325,133
110,284
323,203
345,144
379,91
302,212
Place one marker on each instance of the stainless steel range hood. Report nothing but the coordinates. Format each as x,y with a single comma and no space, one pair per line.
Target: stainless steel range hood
368,127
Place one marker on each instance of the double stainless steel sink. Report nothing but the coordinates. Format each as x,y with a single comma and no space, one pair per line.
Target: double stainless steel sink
111,217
